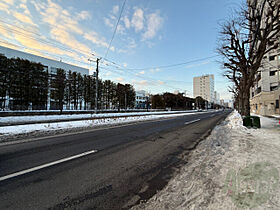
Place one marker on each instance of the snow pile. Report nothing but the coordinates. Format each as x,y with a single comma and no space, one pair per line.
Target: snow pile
20,129
42,118
276,116
203,183
235,120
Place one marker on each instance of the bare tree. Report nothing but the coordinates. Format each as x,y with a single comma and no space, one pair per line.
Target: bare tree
244,40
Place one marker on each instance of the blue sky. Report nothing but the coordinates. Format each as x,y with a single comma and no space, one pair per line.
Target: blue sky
151,33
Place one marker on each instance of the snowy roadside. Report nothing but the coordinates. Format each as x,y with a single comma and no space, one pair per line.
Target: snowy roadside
23,129
45,118
234,168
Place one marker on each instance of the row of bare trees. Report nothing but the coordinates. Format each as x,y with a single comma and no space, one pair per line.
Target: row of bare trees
244,40
28,85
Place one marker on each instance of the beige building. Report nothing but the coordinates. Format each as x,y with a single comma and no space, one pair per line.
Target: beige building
204,86
266,103
265,94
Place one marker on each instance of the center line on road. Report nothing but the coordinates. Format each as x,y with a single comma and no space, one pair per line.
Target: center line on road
186,123
19,173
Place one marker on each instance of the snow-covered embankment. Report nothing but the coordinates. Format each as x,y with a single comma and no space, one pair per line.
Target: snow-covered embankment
233,168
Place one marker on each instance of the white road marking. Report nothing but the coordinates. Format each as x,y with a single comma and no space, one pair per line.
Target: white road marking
212,115
46,165
186,123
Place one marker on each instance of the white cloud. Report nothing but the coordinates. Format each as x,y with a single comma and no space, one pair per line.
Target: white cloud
108,22
116,9
11,2
126,22
84,15
93,37
138,20
120,79
142,72
125,65
153,25
24,18
141,83
161,82
108,74
4,7
120,29
154,70
64,27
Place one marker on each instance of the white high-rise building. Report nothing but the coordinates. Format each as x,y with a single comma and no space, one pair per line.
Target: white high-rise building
204,86
217,97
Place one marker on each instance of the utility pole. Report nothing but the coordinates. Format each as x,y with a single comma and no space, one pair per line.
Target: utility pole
96,83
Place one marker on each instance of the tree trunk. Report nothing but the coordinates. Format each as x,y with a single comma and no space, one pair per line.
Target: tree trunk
247,102
241,103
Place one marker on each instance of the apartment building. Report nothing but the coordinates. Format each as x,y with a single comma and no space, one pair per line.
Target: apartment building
204,86
265,94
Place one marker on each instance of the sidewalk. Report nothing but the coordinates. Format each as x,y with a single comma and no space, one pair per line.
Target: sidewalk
234,168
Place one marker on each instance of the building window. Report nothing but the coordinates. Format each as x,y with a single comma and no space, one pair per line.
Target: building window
272,73
258,90
272,58
272,88
277,104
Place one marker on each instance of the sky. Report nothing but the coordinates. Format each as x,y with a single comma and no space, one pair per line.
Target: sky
151,36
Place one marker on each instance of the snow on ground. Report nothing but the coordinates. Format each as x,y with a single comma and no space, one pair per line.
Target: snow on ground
276,116
20,129
42,118
268,122
234,168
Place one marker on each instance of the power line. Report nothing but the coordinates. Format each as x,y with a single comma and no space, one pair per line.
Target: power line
164,66
155,81
44,41
115,29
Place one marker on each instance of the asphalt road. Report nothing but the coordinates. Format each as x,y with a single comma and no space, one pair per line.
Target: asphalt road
124,164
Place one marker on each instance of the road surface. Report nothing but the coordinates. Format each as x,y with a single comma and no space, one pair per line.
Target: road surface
106,168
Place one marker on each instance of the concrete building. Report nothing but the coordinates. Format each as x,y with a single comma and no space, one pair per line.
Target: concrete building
50,65
204,86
